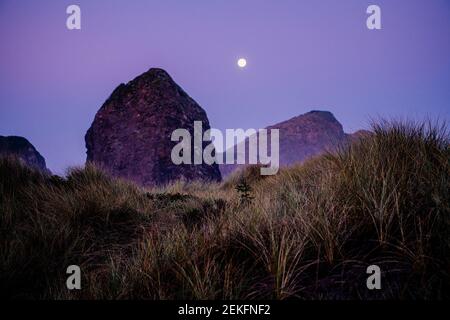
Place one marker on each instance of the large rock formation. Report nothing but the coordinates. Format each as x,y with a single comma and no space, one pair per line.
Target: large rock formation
22,149
305,136
131,133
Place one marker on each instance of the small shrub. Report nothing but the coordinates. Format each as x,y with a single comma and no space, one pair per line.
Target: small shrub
244,190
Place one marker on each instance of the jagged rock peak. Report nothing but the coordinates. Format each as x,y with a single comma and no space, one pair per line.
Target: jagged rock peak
131,133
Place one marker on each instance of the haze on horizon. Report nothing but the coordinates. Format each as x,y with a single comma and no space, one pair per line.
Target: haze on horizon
301,55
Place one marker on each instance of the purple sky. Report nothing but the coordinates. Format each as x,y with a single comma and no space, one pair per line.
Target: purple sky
302,55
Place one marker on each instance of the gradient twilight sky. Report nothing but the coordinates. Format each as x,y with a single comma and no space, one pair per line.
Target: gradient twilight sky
302,55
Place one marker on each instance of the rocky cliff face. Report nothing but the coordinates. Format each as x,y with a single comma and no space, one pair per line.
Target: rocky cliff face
305,136
24,150
131,133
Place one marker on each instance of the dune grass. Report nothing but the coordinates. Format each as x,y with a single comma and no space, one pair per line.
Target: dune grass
308,232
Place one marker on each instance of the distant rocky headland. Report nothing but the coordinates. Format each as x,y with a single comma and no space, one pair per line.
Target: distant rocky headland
303,137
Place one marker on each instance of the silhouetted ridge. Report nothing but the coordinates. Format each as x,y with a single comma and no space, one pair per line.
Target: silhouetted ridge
24,150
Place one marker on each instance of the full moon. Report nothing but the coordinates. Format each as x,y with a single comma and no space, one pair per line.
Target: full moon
242,63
